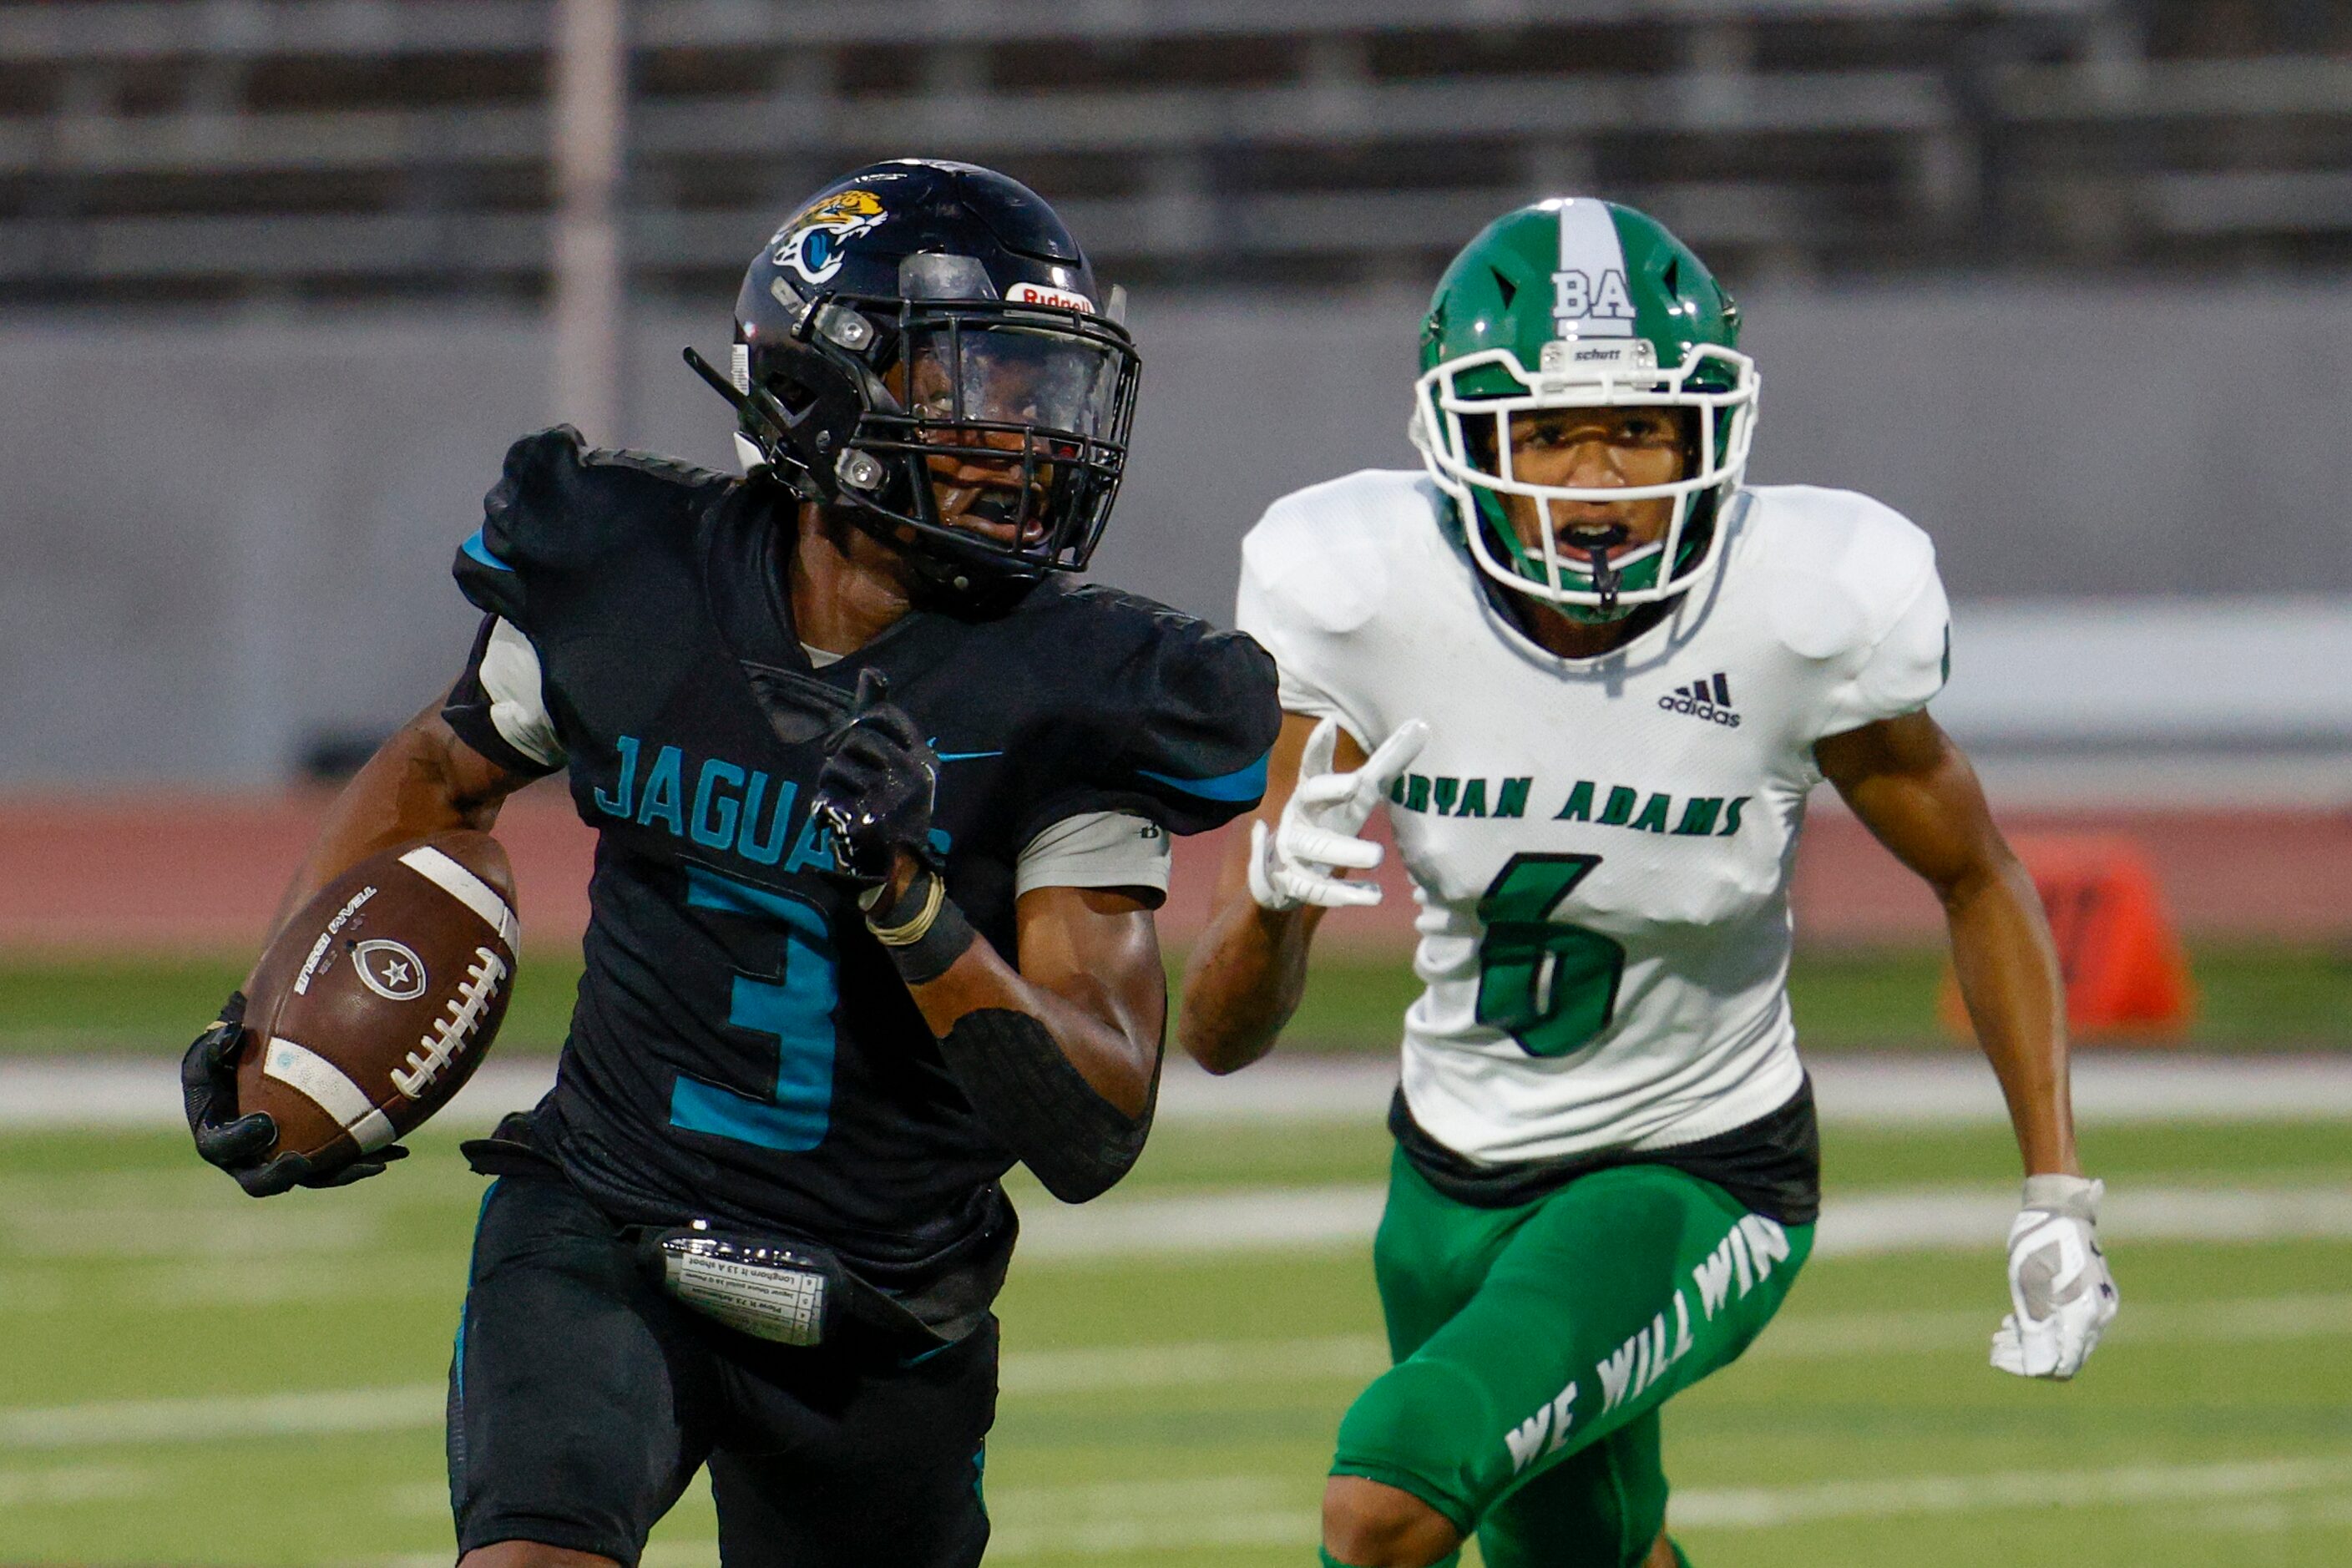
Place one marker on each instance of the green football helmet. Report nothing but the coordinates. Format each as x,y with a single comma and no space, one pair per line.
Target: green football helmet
1579,303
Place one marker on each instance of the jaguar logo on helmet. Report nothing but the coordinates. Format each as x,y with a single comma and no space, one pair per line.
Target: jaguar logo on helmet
813,244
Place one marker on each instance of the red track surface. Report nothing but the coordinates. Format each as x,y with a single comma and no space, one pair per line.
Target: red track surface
181,873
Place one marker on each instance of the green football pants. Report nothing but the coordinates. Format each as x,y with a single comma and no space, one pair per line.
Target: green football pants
1535,1345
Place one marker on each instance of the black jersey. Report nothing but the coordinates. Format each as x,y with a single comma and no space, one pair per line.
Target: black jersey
743,1050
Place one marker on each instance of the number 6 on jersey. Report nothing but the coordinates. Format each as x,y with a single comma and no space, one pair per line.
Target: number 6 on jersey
1551,987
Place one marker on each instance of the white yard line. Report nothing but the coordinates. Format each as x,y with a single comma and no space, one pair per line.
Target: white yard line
1961,1332
1966,1219
204,1284
1120,1518
1931,1219
2270,1517
2246,1320
1272,1219
1954,1089
65,1092
2110,1089
1125,1369
1223,1223
66,1485
118,1234
1765,1507
1130,1369
206,1420
1123,1519
68,1094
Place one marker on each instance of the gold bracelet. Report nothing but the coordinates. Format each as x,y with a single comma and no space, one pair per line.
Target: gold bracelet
915,930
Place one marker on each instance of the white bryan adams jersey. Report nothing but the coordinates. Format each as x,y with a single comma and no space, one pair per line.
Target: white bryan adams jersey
1601,846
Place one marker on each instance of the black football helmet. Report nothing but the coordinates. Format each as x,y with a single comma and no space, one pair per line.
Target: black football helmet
919,328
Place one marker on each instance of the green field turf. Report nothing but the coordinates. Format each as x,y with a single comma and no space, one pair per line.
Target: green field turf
2250,998
1167,1412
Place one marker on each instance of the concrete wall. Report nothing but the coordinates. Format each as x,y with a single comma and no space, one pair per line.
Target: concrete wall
220,537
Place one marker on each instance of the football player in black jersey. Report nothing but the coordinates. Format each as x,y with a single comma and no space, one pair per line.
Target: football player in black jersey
883,800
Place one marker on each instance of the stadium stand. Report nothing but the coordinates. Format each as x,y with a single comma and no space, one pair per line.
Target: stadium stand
227,149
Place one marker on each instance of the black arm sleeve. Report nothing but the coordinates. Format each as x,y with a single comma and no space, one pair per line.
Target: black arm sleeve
1077,1144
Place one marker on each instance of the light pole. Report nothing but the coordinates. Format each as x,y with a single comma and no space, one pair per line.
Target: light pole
587,127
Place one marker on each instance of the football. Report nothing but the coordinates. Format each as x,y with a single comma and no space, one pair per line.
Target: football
375,1002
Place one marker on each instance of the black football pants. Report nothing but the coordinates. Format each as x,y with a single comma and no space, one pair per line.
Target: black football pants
583,1399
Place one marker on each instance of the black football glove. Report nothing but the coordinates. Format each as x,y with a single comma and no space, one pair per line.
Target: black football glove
876,790
235,1143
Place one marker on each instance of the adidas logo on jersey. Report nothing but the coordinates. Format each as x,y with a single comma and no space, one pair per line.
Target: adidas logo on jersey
1709,699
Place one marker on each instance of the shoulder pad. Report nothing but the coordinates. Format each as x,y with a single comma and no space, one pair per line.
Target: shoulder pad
1320,558
559,507
1837,568
1185,713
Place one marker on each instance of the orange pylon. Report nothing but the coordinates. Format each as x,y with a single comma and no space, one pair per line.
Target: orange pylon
2120,955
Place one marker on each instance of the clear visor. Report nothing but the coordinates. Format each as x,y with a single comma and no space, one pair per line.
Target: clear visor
969,374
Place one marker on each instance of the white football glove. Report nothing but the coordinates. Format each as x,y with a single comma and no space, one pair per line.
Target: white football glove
2064,1297
1296,864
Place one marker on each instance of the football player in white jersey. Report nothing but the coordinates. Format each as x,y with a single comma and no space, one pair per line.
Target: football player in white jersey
1593,678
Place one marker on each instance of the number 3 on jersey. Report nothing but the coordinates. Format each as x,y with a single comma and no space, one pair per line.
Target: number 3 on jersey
792,1004
1551,987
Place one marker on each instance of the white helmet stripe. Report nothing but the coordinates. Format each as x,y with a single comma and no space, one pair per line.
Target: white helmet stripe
1590,299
